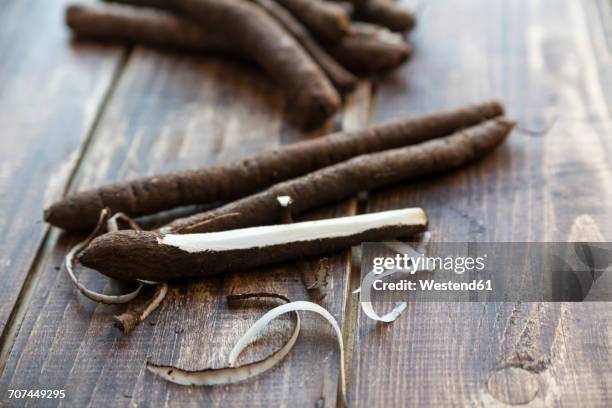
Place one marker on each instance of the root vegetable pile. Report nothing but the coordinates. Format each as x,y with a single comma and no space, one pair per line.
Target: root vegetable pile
269,190
311,48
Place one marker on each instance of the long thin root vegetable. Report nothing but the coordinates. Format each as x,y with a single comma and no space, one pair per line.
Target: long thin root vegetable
231,374
128,24
132,255
343,80
362,173
124,23
325,19
366,48
237,179
369,48
311,96
387,13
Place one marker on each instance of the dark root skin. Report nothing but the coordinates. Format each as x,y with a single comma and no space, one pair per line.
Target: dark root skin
229,181
362,173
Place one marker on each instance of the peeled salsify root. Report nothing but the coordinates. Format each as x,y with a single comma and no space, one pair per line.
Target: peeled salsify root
362,173
231,374
154,256
240,178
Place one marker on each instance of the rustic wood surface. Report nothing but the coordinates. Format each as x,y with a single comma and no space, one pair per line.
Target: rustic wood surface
76,115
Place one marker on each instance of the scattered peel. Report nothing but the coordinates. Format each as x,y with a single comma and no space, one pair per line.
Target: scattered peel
129,320
71,257
231,374
296,306
369,279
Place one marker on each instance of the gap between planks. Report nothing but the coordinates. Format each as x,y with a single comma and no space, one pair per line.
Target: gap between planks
51,235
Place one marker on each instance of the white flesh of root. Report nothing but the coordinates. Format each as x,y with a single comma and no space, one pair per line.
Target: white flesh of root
70,260
258,237
231,374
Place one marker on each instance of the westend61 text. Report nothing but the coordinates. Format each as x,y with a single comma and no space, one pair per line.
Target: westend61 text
432,285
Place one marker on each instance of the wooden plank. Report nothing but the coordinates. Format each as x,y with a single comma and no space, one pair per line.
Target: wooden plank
539,59
169,112
50,95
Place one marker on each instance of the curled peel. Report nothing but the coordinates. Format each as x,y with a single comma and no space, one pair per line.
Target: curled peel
70,261
368,281
292,307
231,374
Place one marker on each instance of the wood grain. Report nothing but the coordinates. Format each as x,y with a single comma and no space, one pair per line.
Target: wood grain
539,58
169,112
50,94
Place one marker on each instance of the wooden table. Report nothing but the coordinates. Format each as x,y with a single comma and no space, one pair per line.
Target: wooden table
73,115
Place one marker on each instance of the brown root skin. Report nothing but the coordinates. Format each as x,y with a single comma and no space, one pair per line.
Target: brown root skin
369,48
362,173
311,96
343,80
325,19
237,179
130,254
122,23
263,40
387,13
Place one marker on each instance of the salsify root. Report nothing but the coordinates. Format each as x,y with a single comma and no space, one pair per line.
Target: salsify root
132,255
369,48
128,24
362,173
325,19
387,13
311,96
237,179
342,79
71,257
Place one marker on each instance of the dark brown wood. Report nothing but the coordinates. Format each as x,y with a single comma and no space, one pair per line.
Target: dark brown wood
50,95
540,58
173,112
548,61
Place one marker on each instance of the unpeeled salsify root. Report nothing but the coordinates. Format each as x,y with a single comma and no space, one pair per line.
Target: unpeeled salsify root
162,28
366,48
310,95
237,179
128,24
343,80
131,255
326,20
387,13
362,173
369,48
